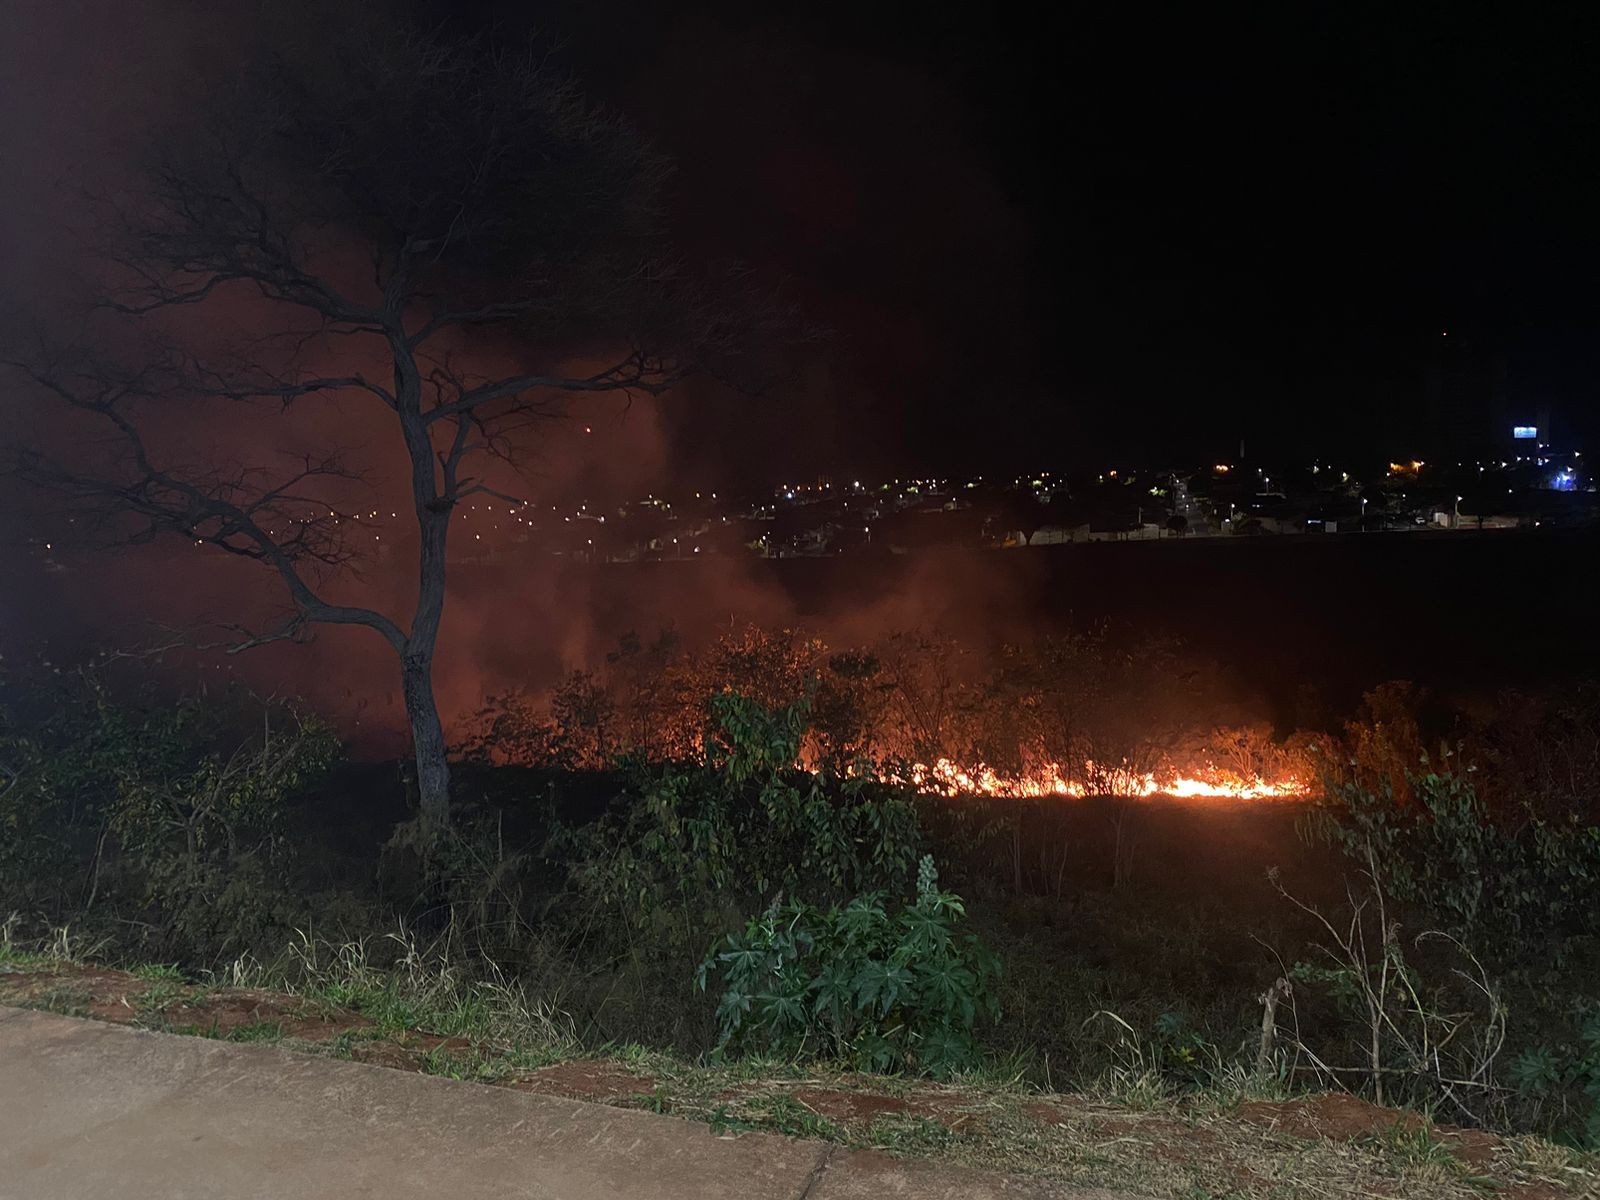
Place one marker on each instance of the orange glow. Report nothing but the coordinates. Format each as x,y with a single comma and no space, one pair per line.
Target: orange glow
948,778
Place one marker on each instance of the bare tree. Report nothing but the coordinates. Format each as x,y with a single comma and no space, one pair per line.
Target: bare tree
392,202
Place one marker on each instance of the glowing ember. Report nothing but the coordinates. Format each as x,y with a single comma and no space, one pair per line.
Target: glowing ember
948,778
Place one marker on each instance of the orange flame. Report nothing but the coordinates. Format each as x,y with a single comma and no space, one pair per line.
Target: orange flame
945,777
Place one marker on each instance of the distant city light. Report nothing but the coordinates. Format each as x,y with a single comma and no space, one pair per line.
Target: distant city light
1525,433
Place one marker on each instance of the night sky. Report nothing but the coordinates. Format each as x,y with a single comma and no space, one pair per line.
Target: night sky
1085,232
1039,236
1087,238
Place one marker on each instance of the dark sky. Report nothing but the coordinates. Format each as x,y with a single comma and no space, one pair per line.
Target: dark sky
1047,231
1041,234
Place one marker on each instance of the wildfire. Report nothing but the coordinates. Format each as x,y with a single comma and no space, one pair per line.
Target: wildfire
948,778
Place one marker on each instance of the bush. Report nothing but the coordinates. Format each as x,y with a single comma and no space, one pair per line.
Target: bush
1512,879
1501,880
1563,1078
746,825
858,984
167,815
630,902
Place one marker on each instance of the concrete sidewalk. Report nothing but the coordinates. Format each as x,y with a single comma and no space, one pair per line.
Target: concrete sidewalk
89,1110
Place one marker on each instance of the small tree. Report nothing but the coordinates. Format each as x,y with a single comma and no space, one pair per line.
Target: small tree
376,205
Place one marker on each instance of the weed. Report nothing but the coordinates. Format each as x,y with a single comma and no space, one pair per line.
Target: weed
1414,1144
656,1101
723,1122
781,1112
414,987
160,995
257,1031
857,983
910,1133
454,1065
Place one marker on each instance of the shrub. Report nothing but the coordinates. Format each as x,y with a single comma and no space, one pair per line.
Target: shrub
1416,1020
1563,1078
747,824
690,846
856,983
168,813
1514,881
1496,879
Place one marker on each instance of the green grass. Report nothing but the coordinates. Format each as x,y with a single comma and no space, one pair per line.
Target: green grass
257,1031
908,1133
65,999
782,1113
160,995
399,985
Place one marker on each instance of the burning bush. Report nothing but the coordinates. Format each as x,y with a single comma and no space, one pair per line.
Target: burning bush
1065,715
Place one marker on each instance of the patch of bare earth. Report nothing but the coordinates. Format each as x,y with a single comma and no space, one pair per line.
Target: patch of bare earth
851,1106
586,1079
97,992
956,1110
123,998
225,1011
1350,1118
376,1052
1344,1118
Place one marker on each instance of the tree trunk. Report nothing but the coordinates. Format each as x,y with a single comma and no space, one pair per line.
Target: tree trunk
432,502
427,739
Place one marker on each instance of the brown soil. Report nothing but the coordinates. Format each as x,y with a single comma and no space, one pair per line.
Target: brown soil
376,1052
433,1043
1342,1118
850,1106
122,998
587,1079
1335,1116
103,994
1062,1110
227,1010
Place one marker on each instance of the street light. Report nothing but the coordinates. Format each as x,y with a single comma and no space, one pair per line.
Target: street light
1457,518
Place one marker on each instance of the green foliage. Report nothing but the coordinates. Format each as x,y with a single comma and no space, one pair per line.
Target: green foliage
465,877
1565,1077
858,983
745,825
169,813
633,899
1492,878
1504,860
1170,1056
1183,1051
